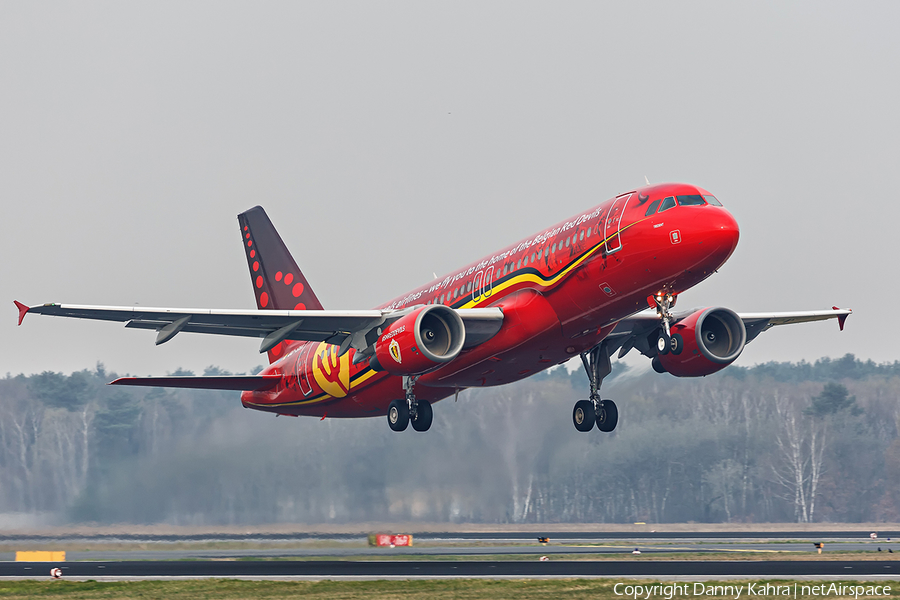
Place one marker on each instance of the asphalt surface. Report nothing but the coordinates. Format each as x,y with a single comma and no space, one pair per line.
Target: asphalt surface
377,569
446,536
163,553
159,557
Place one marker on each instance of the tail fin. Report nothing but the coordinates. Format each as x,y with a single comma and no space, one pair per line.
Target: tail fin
278,283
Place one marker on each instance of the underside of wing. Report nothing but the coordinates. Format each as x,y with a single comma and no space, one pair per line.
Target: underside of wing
639,330
345,328
756,323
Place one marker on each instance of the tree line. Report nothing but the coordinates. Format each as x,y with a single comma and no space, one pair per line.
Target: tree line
772,443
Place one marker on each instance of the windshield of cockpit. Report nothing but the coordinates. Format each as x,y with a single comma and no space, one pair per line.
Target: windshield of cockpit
664,204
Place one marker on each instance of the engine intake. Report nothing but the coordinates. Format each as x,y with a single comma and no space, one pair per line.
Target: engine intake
704,342
420,341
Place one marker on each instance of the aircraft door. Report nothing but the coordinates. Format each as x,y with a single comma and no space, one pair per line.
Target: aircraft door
488,282
483,284
612,225
477,285
302,373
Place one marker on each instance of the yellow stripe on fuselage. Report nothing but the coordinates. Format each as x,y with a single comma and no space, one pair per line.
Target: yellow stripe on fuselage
538,279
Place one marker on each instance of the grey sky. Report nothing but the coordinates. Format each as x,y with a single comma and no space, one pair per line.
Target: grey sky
391,140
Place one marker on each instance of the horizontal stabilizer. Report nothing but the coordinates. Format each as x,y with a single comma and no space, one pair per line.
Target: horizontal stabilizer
248,383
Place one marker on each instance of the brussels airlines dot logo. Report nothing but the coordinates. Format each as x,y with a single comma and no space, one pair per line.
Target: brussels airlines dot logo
332,372
394,349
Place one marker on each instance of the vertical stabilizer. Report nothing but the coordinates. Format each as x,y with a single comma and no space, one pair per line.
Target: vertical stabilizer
278,283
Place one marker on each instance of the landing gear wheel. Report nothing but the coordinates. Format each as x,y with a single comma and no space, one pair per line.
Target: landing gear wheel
663,343
398,415
608,416
583,416
424,416
676,345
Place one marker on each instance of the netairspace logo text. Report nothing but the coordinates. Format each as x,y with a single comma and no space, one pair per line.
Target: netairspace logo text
672,590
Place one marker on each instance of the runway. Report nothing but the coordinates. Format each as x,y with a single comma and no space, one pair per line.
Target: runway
124,547
441,569
449,555
496,536
359,550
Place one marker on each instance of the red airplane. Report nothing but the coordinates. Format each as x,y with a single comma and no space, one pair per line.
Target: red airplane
578,288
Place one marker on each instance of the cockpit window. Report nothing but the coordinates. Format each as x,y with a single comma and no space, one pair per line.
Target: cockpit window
712,200
653,206
667,203
692,200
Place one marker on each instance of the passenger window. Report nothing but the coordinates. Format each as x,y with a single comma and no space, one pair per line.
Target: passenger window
652,208
554,247
532,257
667,203
581,235
589,231
712,200
442,298
692,200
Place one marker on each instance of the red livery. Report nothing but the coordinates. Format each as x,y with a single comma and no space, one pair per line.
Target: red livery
578,288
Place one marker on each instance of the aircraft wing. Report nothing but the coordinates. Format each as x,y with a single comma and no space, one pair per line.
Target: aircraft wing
632,331
344,328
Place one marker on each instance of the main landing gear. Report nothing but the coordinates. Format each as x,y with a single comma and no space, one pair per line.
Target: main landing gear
403,412
602,412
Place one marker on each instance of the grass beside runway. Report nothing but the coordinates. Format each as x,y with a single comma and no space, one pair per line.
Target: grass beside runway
461,589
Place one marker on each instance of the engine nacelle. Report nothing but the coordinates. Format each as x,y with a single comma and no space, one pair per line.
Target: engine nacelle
420,341
705,342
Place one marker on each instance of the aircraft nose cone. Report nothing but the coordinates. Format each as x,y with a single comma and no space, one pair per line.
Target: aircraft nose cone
725,233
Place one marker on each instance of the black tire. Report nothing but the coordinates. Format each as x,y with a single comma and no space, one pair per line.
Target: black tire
608,417
398,415
676,345
583,415
663,343
424,416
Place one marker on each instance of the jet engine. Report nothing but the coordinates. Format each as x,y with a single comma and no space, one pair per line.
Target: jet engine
704,342
420,341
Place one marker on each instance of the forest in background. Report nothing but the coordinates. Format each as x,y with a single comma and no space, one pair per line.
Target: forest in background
804,442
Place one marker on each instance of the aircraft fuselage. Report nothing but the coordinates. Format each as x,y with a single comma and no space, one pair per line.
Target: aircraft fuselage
561,292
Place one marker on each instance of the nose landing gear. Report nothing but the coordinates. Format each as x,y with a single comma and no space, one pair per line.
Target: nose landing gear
603,413
665,343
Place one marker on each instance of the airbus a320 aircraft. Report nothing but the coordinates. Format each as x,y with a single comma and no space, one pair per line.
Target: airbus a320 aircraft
579,288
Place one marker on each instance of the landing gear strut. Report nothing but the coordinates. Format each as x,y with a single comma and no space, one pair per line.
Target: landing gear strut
603,413
410,410
664,303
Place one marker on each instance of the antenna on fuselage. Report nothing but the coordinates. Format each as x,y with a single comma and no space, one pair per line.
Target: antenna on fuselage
647,180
